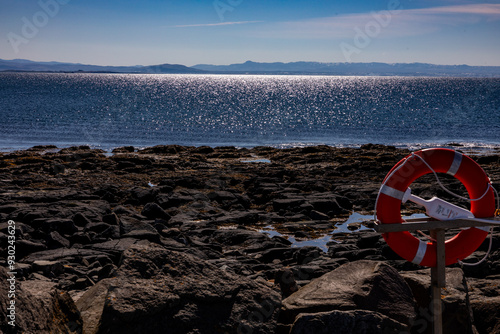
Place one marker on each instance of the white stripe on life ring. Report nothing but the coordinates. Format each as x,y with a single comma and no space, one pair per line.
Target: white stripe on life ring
391,192
483,228
422,248
455,165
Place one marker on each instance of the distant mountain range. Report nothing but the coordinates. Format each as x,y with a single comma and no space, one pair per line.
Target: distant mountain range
249,67
412,69
23,65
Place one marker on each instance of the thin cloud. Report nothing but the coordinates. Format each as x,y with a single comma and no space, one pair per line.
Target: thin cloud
482,9
215,24
403,22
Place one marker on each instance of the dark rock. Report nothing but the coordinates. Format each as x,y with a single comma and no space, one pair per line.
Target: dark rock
457,314
48,268
301,234
97,227
163,149
153,210
175,199
59,254
8,208
111,219
272,254
203,150
39,308
62,211
360,285
286,280
488,159
80,238
112,232
124,149
29,217
348,251
238,218
287,204
130,161
152,236
221,196
316,215
25,247
23,270
142,195
80,220
128,224
305,273
42,147
82,282
126,211
304,255
114,248
64,226
342,322
238,236
368,239
109,270
186,295
485,304
325,205
55,240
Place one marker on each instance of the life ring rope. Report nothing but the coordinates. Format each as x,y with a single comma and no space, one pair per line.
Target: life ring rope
455,165
394,190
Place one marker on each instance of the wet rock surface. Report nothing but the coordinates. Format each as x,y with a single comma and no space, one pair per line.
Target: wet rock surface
169,239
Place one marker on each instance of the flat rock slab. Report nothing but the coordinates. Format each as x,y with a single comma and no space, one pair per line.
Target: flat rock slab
61,253
361,285
115,247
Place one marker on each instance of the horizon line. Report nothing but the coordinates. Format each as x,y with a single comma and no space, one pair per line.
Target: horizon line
258,62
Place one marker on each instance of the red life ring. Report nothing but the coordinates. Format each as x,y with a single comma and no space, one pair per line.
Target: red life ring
412,167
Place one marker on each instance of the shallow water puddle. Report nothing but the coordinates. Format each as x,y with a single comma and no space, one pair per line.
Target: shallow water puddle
353,224
265,161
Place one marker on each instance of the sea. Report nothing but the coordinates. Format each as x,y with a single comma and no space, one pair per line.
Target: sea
113,110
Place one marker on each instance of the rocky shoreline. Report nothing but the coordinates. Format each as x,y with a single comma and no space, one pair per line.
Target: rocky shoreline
168,239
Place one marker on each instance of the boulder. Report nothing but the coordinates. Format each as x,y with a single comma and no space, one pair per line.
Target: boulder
25,247
162,291
457,314
55,240
286,280
153,210
39,308
485,304
129,224
111,219
361,285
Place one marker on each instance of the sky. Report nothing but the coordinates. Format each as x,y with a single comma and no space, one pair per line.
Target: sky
190,32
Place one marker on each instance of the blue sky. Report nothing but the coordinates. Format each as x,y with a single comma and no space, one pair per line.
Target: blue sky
189,32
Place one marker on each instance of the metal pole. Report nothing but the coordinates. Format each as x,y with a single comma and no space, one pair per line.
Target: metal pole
438,280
